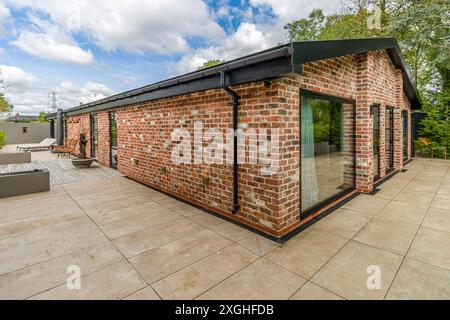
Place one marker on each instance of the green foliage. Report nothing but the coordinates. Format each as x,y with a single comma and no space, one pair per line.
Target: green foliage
5,105
210,63
42,117
422,29
2,139
307,29
327,121
436,128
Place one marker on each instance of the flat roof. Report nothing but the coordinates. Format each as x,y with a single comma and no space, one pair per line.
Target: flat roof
283,59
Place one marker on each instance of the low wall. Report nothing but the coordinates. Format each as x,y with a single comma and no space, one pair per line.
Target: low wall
15,157
20,133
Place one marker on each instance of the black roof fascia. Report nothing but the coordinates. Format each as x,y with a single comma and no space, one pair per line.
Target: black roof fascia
308,51
265,64
246,69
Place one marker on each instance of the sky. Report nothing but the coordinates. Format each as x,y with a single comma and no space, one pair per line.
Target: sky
87,50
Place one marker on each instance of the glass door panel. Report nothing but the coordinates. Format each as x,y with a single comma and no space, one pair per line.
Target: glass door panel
327,150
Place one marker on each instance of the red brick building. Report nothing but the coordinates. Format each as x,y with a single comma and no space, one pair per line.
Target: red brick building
330,118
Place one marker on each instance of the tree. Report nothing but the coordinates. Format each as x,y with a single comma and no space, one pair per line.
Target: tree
352,23
436,129
210,63
423,29
307,29
42,117
5,105
2,139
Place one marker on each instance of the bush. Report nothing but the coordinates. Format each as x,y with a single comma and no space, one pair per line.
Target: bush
426,148
435,132
2,139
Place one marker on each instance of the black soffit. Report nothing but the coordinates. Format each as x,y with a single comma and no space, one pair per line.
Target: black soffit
269,63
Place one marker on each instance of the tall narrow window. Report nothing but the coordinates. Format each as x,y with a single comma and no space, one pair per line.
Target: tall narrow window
113,139
376,141
94,136
389,138
405,134
65,129
327,150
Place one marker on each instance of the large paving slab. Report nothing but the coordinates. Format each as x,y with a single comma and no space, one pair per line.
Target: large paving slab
133,242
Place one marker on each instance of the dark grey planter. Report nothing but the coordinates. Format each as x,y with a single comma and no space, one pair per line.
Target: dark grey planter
82,163
18,183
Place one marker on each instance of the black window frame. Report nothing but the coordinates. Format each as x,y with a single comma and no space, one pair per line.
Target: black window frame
391,166
405,120
312,94
377,107
93,116
110,113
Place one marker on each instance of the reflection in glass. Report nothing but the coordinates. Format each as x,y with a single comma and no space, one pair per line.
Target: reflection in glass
113,138
376,141
94,136
390,138
405,134
327,150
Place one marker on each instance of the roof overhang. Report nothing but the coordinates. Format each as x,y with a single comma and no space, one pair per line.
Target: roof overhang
269,63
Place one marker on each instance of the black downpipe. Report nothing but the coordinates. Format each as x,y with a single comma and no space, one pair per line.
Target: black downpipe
223,84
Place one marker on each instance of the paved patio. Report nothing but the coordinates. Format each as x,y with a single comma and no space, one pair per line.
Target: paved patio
132,242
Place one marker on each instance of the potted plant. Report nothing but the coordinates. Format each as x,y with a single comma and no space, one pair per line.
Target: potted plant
82,161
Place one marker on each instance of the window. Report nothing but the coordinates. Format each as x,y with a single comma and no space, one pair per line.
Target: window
405,134
24,129
389,138
376,140
94,136
65,129
327,150
113,152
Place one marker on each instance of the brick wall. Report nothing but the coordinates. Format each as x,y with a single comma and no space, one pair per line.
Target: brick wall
103,138
76,126
269,203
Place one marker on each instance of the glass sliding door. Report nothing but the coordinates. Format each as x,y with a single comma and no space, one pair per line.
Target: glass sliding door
94,136
405,134
113,139
376,141
327,150
389,139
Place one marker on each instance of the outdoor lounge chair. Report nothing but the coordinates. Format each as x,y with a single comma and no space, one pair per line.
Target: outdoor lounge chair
67,149
43,145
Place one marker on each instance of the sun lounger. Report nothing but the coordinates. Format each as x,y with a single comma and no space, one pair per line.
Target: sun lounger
43,145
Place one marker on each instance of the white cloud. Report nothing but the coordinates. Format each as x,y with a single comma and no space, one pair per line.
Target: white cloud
54,45
258,33
72,95
48,41
4,16
24,89
247,39
161,26
30,94
15,77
